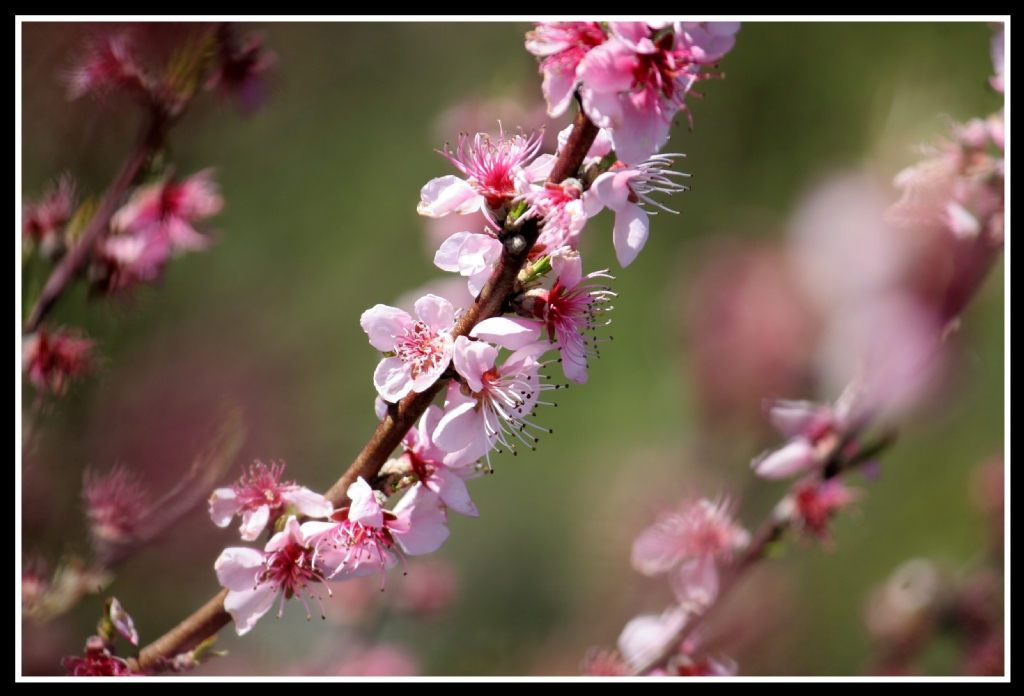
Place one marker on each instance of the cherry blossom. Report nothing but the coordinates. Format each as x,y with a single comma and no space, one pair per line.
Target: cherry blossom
116,505
43,221
644,636
286,566
496,173
560,209
815,502
562,45
634,83
260,497
570,308
168,209
471,255
814,430
109,62
364,537
98,662
51,359
495,401
426,461
624,190
421,349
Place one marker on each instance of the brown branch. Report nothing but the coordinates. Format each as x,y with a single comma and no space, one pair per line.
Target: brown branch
79,254
398,420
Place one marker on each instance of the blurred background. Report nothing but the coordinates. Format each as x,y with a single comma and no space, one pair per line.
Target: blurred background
320,223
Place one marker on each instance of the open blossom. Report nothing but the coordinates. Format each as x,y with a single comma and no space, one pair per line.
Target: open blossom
496,172
422,349
495,402
634,83
109,62
814,430
260,497
116,505
561,46
254,579
469,254
687,543
426,460
624,190
43,221
169,208
560,208
364,537
51,359
569,309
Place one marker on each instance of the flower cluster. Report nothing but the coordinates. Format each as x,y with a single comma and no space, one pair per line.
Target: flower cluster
51,359
357,540
632,77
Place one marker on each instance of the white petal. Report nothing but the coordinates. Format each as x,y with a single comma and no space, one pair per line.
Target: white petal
307,502
247,606
364,509
382,323
613,188
393,379
473,359
223,506
447,257
507,333
253,522
444,195
794,458
630,233
238,567
436,312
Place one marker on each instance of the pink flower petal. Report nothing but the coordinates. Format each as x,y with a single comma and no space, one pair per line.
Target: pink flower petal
253,522
794,458
472,360
307,502
238,567
365,509
507,333
447,257
393,379
382,323
223,506
436,312
445,195
424,521
630,233
452,490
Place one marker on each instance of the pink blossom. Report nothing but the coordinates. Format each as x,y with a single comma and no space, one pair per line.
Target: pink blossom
116,505
560,208
378,661
814,430
125,260
43,221
364,537
108,62
998,52
495,401
599,150
471,255
624,191
98,662
426,460
496,172
815,502
687,543
241,70
570,308
422,349
431,587
169,209
562,45
261,498
51,359
634,83
253,578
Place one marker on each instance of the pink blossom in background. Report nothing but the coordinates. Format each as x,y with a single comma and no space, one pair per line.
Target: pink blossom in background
816,502
43,221
260,497
599,662
125,260
51,359
644,636
286,566
116,505
998,53
750,332
422,349
814,430
169,208
242,70
431,587
109,62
